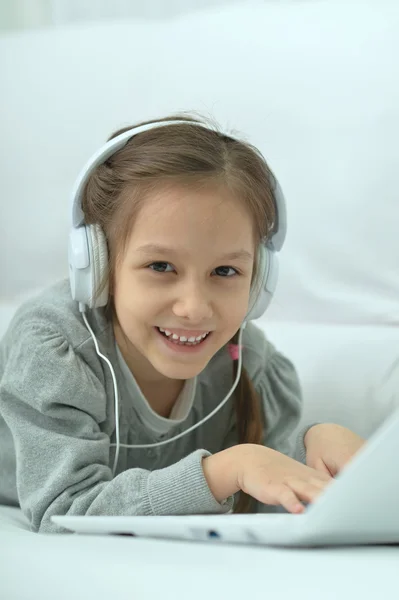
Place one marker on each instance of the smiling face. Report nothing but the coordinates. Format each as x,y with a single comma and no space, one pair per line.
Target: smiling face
186,269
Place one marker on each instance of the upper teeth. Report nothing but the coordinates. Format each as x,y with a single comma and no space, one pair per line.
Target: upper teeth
182,338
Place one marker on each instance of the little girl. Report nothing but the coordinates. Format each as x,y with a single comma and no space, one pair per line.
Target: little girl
135,388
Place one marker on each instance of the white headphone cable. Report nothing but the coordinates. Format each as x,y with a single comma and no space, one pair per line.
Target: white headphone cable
82,310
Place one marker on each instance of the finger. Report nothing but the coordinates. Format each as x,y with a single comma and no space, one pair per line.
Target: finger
321,474
320,483
286,497
322,467
305,490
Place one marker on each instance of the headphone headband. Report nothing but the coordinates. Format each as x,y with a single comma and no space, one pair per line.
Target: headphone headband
109,148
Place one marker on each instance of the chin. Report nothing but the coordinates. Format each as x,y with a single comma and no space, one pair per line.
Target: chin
179,371
183,372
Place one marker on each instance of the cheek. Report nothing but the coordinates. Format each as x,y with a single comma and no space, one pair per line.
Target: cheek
134,306
233,314
238,302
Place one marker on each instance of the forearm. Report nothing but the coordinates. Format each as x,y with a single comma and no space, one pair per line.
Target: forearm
60,474
220,472
300,451
178,489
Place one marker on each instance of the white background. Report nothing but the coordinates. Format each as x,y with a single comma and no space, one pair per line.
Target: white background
28,14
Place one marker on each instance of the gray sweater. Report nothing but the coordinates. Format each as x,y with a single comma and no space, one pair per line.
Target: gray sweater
57,419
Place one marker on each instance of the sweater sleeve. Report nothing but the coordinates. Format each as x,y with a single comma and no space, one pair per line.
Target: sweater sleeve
53,404
279,388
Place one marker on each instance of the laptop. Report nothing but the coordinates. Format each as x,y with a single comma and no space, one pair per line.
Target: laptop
359,507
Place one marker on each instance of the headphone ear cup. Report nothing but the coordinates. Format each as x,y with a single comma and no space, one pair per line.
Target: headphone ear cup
98,252
265,285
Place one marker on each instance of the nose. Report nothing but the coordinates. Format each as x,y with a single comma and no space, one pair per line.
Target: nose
193,302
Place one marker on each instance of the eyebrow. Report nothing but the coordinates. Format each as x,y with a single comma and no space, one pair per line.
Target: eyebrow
157,249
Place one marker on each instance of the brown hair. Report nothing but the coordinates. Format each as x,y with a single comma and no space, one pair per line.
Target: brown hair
184,153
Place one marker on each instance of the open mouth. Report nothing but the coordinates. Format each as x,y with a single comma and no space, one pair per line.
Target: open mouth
178,342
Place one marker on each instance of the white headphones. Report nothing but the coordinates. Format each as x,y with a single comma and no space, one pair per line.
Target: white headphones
88,259
88,254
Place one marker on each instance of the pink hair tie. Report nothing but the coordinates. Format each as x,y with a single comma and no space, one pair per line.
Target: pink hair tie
234,350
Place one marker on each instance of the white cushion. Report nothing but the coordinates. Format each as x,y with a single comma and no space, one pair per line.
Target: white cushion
349,373
12,520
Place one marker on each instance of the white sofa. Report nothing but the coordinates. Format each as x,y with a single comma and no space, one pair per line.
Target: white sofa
315,86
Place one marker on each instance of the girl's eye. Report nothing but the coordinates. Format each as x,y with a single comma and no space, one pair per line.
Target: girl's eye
160,267
223,271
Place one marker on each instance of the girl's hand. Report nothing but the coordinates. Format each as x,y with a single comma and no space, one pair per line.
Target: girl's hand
268,476
329,447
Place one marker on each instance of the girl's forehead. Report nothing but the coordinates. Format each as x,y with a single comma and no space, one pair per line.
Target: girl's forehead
196,216
178,204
